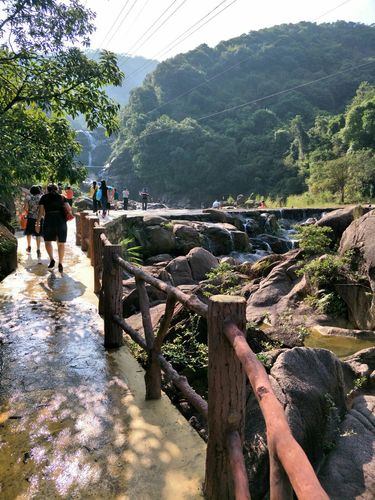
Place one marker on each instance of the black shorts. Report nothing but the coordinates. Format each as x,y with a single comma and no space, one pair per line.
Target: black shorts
55,228
30,227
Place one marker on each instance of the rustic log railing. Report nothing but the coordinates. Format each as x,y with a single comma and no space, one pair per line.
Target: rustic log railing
230,360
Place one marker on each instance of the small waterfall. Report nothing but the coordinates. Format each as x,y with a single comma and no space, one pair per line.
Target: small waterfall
92,145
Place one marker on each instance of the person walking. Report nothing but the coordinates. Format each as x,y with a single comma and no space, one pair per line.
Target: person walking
31,207
104,198
92,195
52,206
125,197
144,196
115,198
69,195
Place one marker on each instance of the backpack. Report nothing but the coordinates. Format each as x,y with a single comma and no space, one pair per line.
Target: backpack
98,195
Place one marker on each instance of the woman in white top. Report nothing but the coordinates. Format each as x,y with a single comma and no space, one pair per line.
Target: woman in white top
31,207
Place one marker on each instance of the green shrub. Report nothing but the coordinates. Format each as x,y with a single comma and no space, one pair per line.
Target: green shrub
326,271
313,239
223,281
230,200
185,350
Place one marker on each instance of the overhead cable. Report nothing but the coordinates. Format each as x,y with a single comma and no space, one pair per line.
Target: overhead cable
122,22
197,22
230,67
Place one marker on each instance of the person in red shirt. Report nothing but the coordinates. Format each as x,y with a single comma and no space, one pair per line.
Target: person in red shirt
69,195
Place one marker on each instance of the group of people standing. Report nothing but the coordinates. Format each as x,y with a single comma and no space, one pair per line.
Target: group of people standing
46,217
103,196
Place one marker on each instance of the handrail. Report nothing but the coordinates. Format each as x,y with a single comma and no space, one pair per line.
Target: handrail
281,442
230,358
190,301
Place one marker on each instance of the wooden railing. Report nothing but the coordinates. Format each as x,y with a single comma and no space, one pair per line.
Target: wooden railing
231,361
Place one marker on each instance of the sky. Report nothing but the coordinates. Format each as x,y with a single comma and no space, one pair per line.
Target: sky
132,26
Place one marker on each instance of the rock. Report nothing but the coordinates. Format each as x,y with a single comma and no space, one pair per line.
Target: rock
218,240
309,384
163,257
349,470
252,227
340,219
201,262
8,252
83,203
241,242
6,217
264,265
158,240
180,271
359,296
362,363
278,245
187,237
154,220
215,215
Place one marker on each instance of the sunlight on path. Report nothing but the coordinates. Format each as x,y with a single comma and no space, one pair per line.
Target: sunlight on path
73,420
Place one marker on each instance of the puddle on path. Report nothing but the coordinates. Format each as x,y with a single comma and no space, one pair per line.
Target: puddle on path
63,418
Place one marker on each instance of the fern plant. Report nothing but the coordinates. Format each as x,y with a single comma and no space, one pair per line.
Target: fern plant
131,252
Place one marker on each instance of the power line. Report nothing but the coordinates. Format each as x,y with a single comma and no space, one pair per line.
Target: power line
122,22
114,22
152,25
191,27
269,96
231,67
332,10
162,24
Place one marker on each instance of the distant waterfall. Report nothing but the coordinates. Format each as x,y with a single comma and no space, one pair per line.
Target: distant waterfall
92,145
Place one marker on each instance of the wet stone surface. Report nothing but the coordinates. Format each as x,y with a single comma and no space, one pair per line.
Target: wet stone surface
63,423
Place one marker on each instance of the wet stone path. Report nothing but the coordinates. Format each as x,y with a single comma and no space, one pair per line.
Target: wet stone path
62,430
73,419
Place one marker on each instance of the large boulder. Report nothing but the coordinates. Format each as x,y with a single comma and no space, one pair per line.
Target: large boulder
187,237
156,240
218,240
83,203
349,470
278,287
359,295
241,242
309,384
340,219
180,271
6,217
201,262
8,252
278,245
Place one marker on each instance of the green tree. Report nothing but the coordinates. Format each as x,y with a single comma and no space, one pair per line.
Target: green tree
43,78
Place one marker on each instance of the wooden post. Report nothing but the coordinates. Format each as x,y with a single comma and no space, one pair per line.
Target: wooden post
153,371
84,232
226,394
92,221
112,289
98,259
78,228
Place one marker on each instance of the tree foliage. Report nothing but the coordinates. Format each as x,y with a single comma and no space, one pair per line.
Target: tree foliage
43,78
174,134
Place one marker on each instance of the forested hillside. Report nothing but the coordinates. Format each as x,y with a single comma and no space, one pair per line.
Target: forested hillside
247,115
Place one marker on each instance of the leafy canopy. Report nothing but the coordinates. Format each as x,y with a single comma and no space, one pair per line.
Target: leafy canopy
44,78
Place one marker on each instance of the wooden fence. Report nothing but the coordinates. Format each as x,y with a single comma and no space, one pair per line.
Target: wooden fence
230,360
